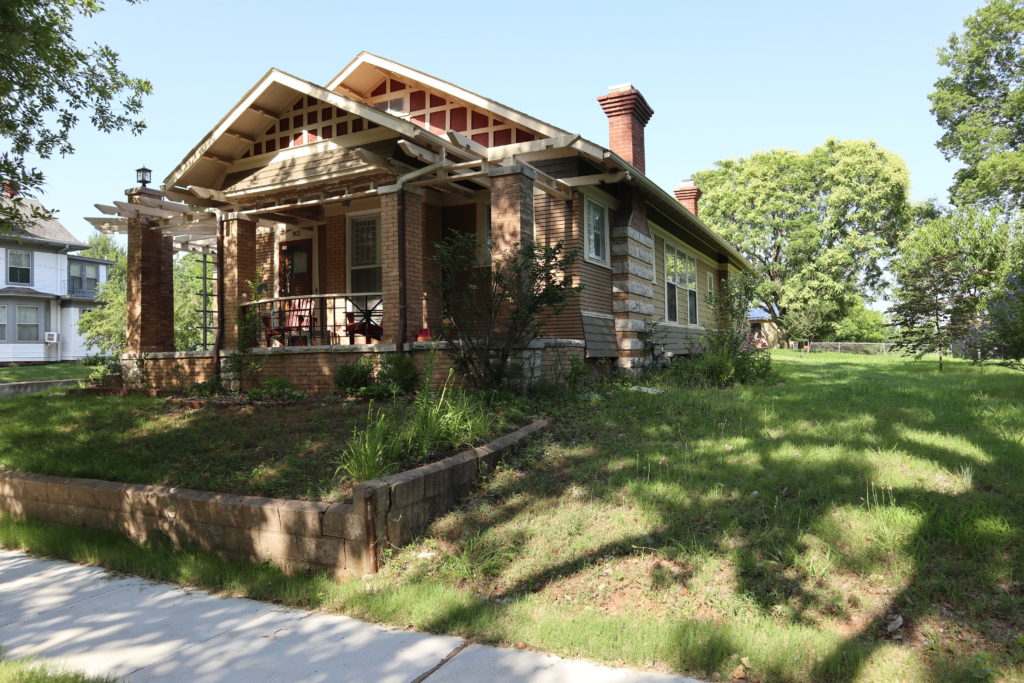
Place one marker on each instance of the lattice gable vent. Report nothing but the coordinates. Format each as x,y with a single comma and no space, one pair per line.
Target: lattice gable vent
439,113
308,120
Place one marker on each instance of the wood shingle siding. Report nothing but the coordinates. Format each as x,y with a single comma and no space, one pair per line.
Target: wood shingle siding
599,334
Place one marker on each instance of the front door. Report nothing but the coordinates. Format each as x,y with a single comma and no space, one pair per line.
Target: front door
296,268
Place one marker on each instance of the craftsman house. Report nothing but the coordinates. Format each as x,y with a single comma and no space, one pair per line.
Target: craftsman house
329,199
45,286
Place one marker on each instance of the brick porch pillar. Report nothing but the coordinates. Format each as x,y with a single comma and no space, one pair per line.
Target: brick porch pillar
239,267
632,252
511,208
149,323
414,216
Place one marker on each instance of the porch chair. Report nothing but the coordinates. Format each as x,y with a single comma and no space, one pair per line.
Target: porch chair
362,322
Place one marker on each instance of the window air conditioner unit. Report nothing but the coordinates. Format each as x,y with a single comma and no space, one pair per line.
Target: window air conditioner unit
52,337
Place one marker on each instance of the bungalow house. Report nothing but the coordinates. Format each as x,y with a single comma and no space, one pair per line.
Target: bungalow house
323,205
45,286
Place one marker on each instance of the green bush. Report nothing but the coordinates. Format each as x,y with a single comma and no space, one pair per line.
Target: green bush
276,389
383,391
211,387
725,358
400,370
350,378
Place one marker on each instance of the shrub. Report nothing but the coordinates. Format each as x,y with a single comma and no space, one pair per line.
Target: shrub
211,387
276,389
384,391
400,370
351,377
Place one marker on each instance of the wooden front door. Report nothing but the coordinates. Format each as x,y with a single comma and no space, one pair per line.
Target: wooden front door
295,260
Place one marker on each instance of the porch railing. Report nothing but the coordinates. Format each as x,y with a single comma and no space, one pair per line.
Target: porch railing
316,319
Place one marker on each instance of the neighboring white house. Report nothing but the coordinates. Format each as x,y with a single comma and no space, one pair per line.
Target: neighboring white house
44,288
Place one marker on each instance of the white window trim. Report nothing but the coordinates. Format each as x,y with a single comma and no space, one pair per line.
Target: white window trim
3,322
348,247
588,251
686,252
40,324
31,269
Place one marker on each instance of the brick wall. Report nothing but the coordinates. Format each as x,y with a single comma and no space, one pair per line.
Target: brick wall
239,269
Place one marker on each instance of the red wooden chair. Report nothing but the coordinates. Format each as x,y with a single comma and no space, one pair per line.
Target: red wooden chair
298,320
363,322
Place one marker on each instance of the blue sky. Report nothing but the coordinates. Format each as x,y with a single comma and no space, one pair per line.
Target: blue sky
725,78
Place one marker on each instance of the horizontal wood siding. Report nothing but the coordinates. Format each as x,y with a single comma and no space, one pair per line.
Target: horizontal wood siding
600,337
678,339
553,222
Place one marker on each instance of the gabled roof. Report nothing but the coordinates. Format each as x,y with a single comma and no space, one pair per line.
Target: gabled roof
43,229
266,102
367,69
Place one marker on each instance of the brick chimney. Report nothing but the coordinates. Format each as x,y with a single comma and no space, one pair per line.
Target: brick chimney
688,193
628,113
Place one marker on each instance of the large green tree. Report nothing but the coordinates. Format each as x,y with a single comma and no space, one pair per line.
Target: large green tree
47,84
945,270
980,104
817,226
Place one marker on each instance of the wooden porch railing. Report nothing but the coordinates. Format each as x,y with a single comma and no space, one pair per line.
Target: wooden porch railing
317,319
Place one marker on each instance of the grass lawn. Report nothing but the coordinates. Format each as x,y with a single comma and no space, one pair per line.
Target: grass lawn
32,373
283,451
861,521
35,672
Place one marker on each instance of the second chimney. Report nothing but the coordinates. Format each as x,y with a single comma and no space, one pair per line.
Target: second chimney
688,193
628,113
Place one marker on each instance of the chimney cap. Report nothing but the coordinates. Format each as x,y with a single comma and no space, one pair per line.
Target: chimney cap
621,87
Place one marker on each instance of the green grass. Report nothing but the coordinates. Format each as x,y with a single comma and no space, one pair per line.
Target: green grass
32,373
283,451
29,671
774,529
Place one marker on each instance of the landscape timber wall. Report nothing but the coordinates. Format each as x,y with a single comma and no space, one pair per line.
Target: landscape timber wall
311,368
343,538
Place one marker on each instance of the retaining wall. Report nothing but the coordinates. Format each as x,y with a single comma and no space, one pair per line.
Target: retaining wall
17,388
343,538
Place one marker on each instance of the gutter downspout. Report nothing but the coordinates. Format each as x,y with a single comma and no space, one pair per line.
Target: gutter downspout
218,339
403,312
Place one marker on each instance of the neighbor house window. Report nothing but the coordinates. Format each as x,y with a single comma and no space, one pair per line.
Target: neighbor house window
595,218
364,254
27,323
680,283
3,323
19,267
83,276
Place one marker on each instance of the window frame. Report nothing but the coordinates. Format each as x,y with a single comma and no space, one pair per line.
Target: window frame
678,281
85,279
606,233
38,324
349,251
3,323
31,263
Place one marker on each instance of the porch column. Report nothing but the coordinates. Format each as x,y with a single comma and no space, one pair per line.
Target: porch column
632,255
239,260
511,208
149,324
402,216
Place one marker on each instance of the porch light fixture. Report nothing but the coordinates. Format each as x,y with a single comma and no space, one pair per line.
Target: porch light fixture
143,176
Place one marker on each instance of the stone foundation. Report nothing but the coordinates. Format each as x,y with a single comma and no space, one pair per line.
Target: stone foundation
311,368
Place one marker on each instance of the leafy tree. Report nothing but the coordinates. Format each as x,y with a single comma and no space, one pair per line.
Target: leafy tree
47,82
491,313
102,327
1005,324
816,226
945,269
860,324
188,302
980,104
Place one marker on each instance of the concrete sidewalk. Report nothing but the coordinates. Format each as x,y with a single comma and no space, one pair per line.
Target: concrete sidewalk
138,630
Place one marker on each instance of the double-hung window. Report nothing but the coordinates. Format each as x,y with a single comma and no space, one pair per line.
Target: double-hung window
680,285
27,323
83,277
19,267
3,323
595,222
364,254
